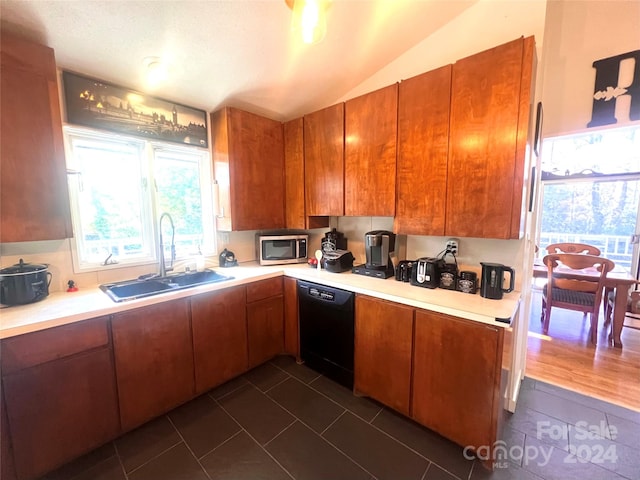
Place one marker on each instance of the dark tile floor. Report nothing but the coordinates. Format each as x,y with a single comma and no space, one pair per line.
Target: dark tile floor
284,421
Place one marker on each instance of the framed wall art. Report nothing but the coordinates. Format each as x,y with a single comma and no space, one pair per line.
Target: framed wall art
101,105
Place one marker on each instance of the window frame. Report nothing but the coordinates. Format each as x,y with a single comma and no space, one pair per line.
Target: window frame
149,197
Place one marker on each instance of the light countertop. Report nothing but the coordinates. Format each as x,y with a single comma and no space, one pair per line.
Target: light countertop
61,308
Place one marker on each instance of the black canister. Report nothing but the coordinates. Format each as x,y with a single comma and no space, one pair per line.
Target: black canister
333,241
449,276
468,282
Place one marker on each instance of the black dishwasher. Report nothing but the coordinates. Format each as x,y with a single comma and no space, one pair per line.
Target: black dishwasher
326,330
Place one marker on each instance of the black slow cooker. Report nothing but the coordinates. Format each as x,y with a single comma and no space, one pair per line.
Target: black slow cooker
24,283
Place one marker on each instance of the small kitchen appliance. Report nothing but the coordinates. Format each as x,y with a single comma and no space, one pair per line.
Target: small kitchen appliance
493,279
24,283
337,261
379,246
403,270
426,272
276,248
333,241
227,259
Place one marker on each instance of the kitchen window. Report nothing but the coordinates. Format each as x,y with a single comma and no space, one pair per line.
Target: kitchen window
118,189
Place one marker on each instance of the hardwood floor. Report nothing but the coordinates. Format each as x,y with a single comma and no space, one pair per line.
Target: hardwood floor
567,359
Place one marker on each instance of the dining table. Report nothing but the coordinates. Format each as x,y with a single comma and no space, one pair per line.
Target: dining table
618,279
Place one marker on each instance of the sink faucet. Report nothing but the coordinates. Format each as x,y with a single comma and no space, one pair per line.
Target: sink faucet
163,268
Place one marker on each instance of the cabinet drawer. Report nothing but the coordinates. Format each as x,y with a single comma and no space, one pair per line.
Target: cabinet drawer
264,289
32,349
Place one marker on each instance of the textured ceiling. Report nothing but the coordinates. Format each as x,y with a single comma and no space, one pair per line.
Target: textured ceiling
238,53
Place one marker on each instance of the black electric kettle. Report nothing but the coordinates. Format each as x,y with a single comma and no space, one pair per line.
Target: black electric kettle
493,278
227,259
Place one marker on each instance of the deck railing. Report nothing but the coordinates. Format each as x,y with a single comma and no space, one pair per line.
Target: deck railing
615,247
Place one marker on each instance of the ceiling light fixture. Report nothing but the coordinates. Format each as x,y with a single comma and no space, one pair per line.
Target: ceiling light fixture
155,71
309,19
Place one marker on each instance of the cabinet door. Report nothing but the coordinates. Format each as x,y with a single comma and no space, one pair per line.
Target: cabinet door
294,174
370,153
248,156
219,325
291,326
154,360
456,377
7,470
60,410
295,216
423,142
383,343
265,326
34,196
490,97
324,161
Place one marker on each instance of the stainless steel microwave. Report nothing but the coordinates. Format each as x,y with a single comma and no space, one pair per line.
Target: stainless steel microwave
281,248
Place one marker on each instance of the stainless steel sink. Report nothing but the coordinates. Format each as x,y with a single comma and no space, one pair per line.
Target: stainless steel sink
132,289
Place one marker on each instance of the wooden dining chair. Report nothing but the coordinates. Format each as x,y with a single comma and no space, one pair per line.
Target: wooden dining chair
573,248
573,294
570,247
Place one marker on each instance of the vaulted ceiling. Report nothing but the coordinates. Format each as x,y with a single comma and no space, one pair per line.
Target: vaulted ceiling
235,52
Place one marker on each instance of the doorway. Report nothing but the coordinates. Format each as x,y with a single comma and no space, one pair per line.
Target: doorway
591,193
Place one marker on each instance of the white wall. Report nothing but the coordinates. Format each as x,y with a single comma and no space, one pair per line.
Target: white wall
484,25
577,33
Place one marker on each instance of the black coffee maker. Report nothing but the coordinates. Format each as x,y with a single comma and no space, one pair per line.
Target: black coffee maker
379,246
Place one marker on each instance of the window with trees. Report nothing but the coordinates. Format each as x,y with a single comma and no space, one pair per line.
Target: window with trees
591,191
120,186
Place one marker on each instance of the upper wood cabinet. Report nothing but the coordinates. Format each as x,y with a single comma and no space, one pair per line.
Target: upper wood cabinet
383,346
490,104
295,216
248,163
34,195
324,161
423,143
154,360
370,153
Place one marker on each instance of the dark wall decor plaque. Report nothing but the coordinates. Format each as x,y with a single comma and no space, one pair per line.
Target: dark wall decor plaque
608,89
98,104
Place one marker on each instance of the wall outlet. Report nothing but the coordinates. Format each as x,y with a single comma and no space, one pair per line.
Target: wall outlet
452,246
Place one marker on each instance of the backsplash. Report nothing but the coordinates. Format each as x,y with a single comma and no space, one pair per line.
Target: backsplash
57,253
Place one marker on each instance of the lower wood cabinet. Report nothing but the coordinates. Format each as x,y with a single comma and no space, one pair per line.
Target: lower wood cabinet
62,404
219,326
265,314
7,469
444,372
291,330
153,353
456,377
383,343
